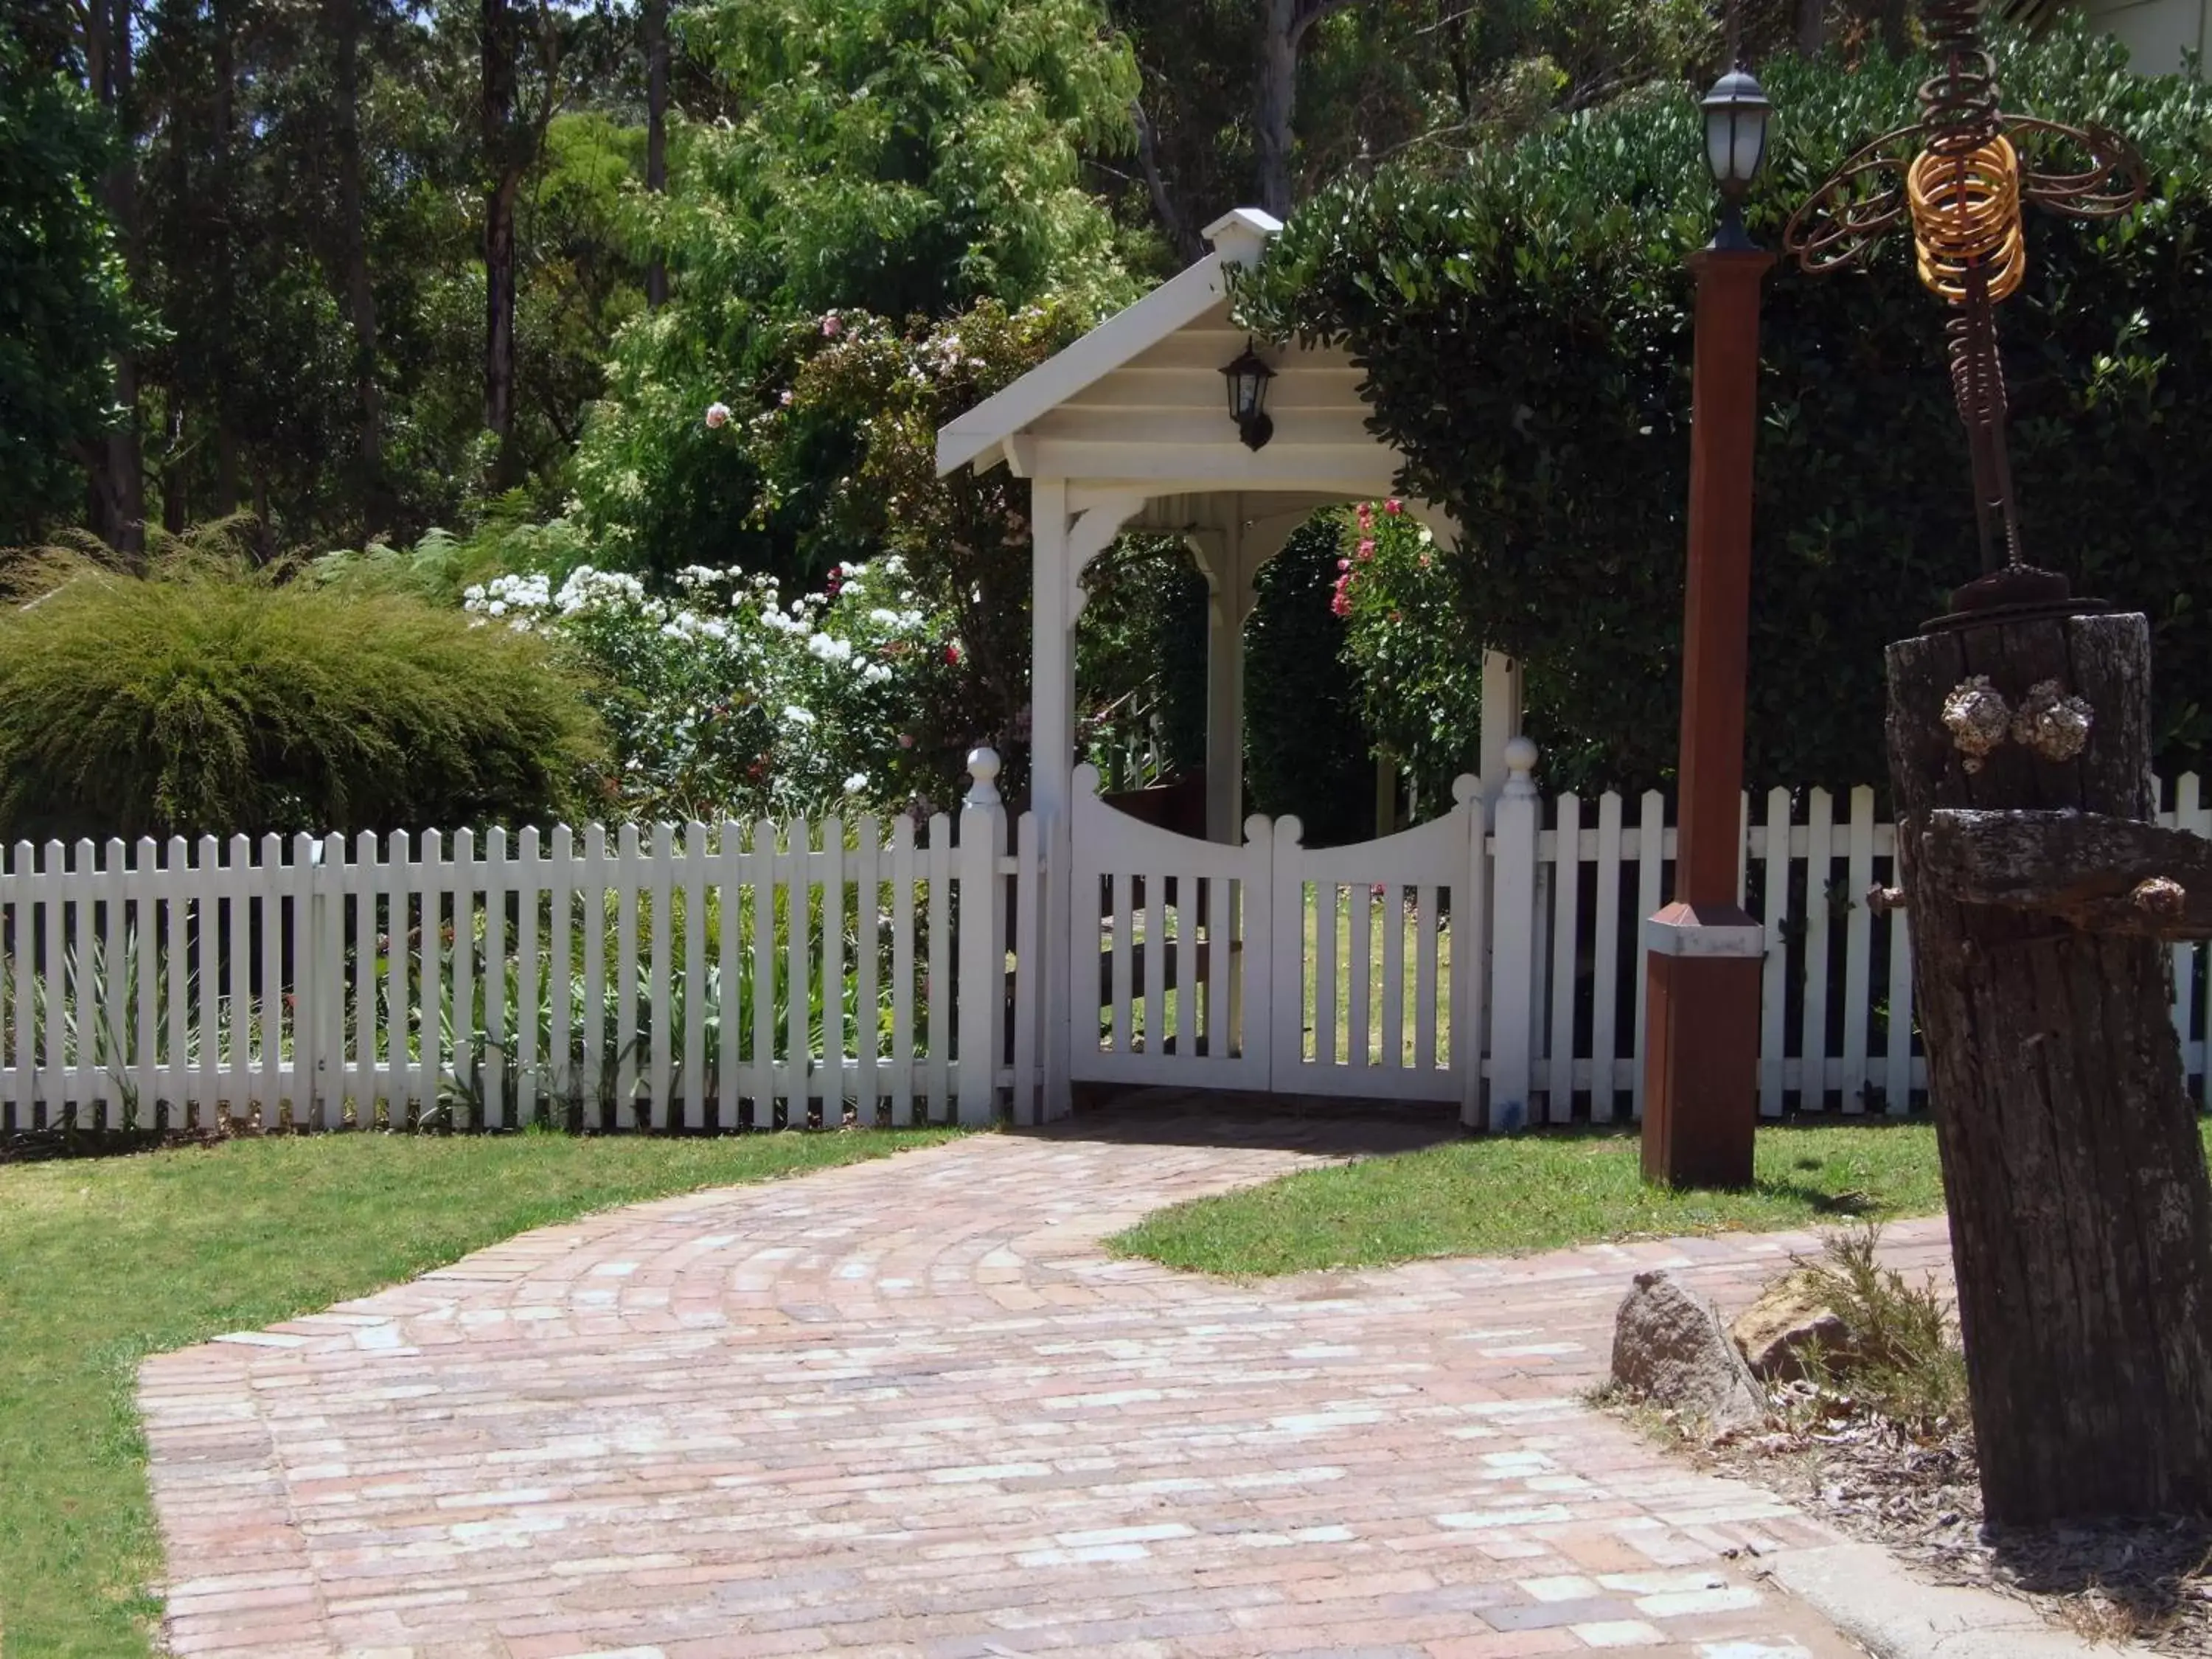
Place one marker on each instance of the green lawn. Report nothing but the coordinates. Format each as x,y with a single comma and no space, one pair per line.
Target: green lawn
102,1262
1497,1194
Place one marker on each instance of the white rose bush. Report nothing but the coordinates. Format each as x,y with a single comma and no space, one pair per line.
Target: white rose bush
722,700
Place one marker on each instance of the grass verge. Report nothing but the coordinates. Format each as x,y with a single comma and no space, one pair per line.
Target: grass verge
1499,1194
102,1262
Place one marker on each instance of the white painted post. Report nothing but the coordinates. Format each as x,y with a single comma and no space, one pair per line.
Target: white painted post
1051,772
1501,719
1470,975
1513,936
983,971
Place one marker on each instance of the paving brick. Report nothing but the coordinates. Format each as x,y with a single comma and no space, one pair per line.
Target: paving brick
910,1408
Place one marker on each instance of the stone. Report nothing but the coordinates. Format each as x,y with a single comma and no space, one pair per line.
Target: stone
1789,1317
1671,1347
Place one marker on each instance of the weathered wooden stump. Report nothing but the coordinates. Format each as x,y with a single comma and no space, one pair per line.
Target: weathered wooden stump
2040,899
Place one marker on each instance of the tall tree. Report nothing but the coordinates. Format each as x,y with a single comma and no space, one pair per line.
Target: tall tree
117,465
1288,23
342,21
655,19
62,307
503,170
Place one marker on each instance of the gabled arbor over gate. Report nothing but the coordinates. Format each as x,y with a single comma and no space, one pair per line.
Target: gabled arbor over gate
1128,428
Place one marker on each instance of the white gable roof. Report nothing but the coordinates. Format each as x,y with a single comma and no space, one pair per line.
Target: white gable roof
1238,238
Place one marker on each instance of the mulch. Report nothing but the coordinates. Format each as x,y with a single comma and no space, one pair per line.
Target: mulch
1920,1498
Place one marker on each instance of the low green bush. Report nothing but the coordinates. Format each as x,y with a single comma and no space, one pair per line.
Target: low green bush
205,697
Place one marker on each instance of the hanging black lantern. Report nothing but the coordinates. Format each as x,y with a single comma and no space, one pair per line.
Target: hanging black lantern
1248,379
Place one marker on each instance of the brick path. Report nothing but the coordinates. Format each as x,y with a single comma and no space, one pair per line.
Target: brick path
910,1408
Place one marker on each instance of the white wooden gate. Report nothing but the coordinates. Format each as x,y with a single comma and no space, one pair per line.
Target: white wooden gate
1173,935
1343,971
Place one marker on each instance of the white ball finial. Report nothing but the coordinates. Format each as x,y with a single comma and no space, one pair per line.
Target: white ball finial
1520,761
983,767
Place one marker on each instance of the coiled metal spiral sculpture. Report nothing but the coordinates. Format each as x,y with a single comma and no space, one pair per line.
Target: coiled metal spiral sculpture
1963,193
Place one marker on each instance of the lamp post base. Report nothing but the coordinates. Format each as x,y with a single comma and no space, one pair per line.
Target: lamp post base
1702,966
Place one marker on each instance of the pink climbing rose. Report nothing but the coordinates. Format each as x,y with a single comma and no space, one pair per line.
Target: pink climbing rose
718,415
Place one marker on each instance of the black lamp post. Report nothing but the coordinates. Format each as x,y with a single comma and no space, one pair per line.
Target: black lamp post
1248,379
1702,952
1736,112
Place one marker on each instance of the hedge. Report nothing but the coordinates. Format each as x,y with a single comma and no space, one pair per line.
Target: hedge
1523,324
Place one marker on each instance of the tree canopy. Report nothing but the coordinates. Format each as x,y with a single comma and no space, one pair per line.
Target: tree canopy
64,306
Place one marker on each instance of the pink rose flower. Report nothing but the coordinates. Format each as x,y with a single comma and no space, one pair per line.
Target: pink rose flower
832,326
1394,506
718,415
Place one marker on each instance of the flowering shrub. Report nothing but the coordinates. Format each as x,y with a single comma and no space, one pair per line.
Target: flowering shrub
1419,676
725,701
877,392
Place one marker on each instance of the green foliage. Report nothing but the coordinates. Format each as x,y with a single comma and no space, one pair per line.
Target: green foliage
1141,652
441,566
62,304
1525,328
1306,749
721,701
205,698
1901,1362
895,158
1420,688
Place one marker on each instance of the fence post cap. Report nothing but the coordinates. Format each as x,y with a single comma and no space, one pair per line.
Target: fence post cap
983,767
1520,760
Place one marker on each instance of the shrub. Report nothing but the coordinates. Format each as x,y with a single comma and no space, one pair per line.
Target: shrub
1420,689
721,701
205,697
1305,750
1524,329
1903,1363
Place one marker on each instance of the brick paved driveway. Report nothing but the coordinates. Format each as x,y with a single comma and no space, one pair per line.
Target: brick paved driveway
910,1408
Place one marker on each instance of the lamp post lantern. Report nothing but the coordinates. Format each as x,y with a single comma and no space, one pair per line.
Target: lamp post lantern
1701,952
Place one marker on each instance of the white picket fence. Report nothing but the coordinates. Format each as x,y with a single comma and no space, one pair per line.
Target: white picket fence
718,976
725,976
1835,1030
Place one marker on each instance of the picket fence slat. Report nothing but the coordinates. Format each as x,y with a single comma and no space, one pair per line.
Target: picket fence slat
1566,898
937,990
1858,946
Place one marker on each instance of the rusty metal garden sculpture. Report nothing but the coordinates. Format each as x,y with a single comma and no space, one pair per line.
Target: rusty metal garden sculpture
2044,900
1963,192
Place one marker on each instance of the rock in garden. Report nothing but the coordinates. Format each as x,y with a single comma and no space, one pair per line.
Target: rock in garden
1671,1347
1788,1319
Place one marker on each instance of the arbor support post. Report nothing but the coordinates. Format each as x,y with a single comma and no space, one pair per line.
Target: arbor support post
1702,952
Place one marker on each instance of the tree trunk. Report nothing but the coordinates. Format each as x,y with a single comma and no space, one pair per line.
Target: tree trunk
345,23
1279,89
656,135
1187,245
2081,1219
504,181
1896,39
118,485
1811,27
223,190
